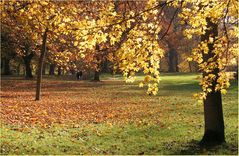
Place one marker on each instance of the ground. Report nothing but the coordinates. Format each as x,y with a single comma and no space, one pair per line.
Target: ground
109,117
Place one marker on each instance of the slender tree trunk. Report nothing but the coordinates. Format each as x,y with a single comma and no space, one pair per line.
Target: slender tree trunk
213,113
40,65
176,62
97,72
6,69
190,66
97,76
44,69
52,69
236,74
27,61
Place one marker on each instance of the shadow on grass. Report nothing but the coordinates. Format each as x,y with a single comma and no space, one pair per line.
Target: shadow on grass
193,86
193,148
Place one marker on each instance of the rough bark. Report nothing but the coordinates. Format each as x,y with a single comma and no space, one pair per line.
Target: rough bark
213,113
40,65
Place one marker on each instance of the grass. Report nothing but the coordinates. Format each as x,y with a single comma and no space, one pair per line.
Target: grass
110,117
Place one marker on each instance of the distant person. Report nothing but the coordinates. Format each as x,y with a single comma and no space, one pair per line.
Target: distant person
79,75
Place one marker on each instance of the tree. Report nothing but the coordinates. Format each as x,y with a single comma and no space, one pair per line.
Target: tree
8,47
40,64
45,19
24,46
213,114
172,58
170,35
52,69
204,19
27,61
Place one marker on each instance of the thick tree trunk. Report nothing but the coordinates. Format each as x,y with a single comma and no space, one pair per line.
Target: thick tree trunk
40,65
52,69
28,69
213,114
6,69
59,71
173,60
105,67
27,61
18,69
97,76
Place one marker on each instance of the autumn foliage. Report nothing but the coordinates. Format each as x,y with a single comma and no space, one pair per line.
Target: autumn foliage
132,38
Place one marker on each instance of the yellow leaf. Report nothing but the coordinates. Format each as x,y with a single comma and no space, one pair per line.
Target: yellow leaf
141,84
147,78
189,59
211,40
75,43
3,15
44,3
223,91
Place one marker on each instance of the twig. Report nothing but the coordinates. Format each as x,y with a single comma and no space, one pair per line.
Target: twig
171,21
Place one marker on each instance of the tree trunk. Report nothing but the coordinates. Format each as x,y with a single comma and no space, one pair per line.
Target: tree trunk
44,69
190,66
213,113
236,74
173,60
27,61
40,65
28,69
18,68
105,67
97,72
59,71
6,69
97,76
176,62
52,69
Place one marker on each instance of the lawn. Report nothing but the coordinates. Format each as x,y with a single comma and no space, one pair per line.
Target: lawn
109,117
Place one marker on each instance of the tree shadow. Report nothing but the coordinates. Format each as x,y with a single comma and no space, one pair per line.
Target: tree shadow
193,148
181,86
